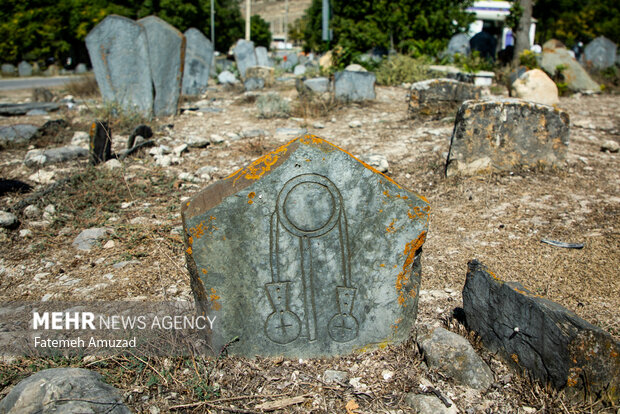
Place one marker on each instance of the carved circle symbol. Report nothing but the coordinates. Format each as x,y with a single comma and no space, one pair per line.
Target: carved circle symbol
309,205
283,327
343,327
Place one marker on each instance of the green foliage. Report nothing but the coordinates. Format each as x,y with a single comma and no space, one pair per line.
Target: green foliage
412,26
259,31
272,105
528,59
400,68
473,63
572,21
512,20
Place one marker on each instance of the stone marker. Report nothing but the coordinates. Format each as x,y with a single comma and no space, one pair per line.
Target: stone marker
299,70
262,57
600,53
459,43
555,54
17,134
440,97
244,56
535,86
265,73
289,61
8,109
306,252
253,84
100,142
227,78
506,134
81,69
8,69
552,343
315,85
24,68
354,86
166,56
118,51
63,390
198,59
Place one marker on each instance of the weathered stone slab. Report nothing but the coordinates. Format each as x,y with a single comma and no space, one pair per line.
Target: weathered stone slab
459,43
198,59
507,134
8,69
262,57
289,61
316,85
306,252
535,86
600,53
575,76
552,343
354,86
17,134
119,54
63,390
244,56
8,109
440,97
24,68
166,56
265,73
39,157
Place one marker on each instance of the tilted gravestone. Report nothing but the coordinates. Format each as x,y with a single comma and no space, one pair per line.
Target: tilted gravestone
507,134
244,56
262,57
438,97
600,53
354,86
24,68
198,58
119,54
166,54
305,252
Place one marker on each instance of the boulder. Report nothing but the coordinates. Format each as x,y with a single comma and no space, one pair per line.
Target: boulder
600,53
227,78
265,73
299,70
81,69
505,135
8,220
244,56
555,54
289,61
17,134
63,390
531,332
354,86
87,238
440,97
535,86
316,85
199,54
8,69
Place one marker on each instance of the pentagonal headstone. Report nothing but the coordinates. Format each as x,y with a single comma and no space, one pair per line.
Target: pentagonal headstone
506,135
198,58
262,57
244,56
600,53
306,251
24,68
119,54
354,86
166,54
459,43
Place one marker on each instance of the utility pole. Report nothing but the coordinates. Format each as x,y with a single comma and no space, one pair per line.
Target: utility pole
247,19
325,22
213,24
286,24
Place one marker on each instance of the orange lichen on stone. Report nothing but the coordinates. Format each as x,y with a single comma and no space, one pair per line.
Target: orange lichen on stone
204,226
402,279
515,358
204,271
189,250
390,228
190,240
258,168
213,297
251,196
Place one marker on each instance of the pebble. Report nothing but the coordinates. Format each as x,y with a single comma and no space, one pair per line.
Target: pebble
109,244
8,220
25,233
610,146
32,211
112,164
355,124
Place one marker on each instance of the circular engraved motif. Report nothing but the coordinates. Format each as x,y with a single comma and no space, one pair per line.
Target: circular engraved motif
309,205
343,327
282,327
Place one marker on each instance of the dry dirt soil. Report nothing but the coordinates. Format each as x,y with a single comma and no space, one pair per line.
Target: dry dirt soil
498,219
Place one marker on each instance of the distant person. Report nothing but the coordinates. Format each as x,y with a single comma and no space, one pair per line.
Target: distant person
484,42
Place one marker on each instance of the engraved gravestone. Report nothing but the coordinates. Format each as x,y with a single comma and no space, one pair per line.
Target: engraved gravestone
198,58
305,252
166,54
244,56
119,54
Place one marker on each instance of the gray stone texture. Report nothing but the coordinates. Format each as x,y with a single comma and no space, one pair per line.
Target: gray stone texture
600,53
166,56
8,109
552,343
227,77
63,390
244,56
289,61
429,404
81,69
354,86
454,357
87,238
8,69
118,51
198,59
459,43
262,57
440,97
316,85
8,220
40,157
555,54
24,68
299,70
535,86
265,73
253,84
505,135
306,252
16,134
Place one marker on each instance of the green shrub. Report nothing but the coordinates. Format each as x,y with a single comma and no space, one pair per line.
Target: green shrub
272,105
400,68
528,59
473,63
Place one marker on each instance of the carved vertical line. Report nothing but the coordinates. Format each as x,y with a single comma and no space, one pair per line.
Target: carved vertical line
274,248
307,276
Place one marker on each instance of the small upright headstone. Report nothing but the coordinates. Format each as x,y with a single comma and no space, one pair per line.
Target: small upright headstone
100,142
81,69
507,134
354,86
8,69
119,54
262,57
316,85
459,43
24,68
439,97
166,54
299,70
244,56
306,252
600,53
198,59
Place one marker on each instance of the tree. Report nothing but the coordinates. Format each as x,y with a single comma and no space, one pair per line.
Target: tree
259,31
522,20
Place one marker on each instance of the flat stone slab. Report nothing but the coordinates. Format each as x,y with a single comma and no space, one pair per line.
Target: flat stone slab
531,332
40,157
439,97
166,57
118,51
17,134
505,135
198,59
306,252
354,86
9,109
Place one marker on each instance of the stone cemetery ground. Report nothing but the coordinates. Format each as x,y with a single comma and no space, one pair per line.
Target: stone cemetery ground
498,219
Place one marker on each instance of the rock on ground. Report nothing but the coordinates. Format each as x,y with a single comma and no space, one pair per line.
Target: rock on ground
63,390
38,157
439,97
17,134
354,86
87,238
535,86
454,357
575,76
8,220
552,343
429,404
